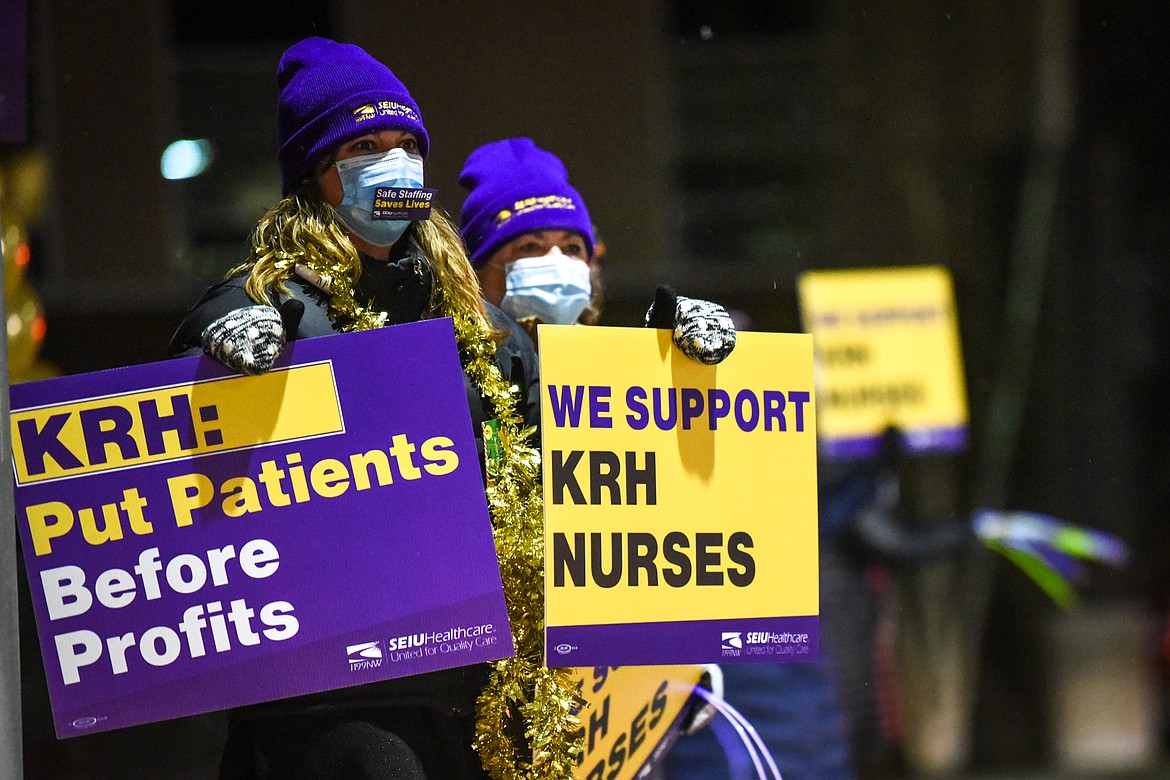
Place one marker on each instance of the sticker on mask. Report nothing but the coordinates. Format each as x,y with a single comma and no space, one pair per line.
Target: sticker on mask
412,203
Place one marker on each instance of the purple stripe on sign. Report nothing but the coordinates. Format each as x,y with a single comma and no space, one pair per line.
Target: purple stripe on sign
743,640
921,440
13,70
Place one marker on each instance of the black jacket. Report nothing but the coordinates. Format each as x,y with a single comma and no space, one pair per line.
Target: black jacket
402,289
263,733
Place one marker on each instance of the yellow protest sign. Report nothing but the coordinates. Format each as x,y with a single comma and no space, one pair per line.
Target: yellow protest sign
632,718
888,354
680,499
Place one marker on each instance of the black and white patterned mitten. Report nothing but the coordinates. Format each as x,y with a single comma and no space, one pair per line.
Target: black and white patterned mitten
249,339
702,330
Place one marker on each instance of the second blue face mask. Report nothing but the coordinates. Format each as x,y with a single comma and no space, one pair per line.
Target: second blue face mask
554,288
361,178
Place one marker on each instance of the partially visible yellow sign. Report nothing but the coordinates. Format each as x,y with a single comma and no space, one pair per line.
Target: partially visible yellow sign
887,354
680,499
160,424
630,714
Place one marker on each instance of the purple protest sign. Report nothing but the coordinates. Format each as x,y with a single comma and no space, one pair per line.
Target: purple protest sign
197,540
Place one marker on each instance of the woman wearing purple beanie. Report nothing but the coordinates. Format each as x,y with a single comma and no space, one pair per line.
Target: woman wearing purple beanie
326,259
532,246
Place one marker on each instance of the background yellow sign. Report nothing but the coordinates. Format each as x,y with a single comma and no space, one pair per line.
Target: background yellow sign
887,354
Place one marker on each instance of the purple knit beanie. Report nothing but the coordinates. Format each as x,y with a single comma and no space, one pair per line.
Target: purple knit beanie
514,186
331,93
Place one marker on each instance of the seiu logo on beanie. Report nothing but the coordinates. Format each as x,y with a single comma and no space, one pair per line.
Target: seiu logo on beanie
544,202
534,204
383,108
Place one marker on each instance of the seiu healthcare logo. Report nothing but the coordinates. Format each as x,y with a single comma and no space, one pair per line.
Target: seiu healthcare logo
383,108
732,643
778,643
454,639
365,655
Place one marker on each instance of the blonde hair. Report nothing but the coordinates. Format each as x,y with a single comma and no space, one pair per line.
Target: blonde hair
298,228
303,228
457,287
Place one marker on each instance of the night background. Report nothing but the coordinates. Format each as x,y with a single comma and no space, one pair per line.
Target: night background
723,147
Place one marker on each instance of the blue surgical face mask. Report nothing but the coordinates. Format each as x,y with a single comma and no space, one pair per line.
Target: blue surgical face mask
553,288
360,177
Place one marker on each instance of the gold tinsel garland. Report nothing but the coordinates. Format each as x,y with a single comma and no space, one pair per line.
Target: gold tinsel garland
545,700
